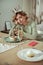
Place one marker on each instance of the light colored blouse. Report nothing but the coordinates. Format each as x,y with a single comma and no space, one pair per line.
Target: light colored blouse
29,31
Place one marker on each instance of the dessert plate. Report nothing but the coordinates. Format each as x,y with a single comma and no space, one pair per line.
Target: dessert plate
8,39
30,54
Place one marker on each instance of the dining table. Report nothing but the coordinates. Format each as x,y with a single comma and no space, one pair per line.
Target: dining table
9,57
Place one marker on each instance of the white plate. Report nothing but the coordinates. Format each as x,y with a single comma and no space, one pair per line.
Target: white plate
8,39
22,54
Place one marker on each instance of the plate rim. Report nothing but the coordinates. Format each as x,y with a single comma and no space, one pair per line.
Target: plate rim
28,60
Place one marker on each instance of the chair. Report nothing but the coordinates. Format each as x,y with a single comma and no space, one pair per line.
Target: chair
41,17
7,27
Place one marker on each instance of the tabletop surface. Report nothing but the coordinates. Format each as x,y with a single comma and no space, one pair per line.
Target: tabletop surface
10,57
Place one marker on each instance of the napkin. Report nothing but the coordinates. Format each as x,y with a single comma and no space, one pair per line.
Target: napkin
33,43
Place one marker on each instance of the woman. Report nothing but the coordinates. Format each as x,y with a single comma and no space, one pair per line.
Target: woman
23,29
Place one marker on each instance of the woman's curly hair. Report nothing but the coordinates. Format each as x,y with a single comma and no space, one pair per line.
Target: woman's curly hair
21,13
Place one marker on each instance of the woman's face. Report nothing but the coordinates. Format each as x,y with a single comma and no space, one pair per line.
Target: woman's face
21,19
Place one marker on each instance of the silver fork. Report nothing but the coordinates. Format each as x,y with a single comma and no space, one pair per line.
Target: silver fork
39,54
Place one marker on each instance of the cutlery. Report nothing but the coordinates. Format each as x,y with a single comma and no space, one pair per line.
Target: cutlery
39,54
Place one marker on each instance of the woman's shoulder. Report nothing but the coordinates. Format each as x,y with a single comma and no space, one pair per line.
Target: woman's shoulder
31,23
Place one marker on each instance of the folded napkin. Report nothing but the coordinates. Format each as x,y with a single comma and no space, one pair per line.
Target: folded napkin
33,43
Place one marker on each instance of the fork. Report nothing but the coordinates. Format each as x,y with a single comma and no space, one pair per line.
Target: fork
39,54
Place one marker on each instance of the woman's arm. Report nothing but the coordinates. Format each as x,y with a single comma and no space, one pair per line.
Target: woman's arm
31,31
11,30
